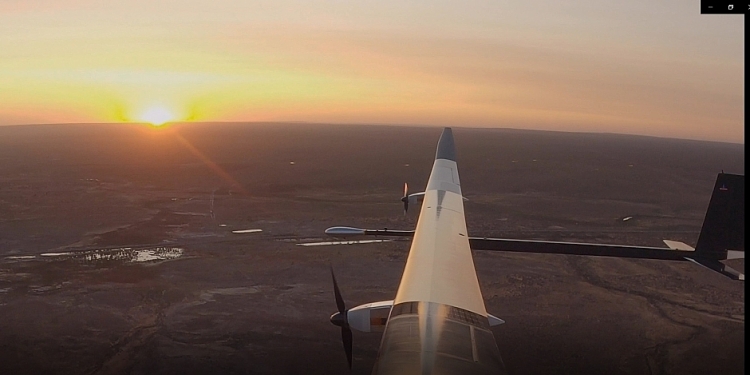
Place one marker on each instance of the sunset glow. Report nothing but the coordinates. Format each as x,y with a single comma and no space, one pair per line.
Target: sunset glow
550,65
157,116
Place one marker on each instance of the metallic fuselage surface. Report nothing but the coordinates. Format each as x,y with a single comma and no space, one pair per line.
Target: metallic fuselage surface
438,323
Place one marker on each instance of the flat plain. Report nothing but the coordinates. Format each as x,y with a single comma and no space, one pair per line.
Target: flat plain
117,251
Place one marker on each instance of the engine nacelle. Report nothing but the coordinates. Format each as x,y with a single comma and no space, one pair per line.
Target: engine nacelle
370,317
416,198
344,231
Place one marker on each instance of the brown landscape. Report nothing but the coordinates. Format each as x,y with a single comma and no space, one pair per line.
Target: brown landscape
117,254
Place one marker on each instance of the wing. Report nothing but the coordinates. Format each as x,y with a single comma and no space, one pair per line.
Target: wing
722,236
577,248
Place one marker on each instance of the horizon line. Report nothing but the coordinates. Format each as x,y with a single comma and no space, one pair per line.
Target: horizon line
297,122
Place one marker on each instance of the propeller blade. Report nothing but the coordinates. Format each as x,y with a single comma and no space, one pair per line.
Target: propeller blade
339,300
405,198
346,337
340,319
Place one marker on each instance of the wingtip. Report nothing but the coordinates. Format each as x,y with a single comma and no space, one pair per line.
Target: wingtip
446,148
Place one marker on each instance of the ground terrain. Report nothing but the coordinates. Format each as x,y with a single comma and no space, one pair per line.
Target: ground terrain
117,253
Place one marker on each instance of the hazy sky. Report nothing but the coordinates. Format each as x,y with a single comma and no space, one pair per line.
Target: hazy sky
637,66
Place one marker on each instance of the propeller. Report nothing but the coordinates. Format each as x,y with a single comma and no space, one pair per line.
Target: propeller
340,319
405,198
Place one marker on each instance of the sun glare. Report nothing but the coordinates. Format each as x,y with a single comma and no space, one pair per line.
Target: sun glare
157,116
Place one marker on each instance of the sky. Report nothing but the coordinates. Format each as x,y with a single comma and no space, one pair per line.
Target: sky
645,67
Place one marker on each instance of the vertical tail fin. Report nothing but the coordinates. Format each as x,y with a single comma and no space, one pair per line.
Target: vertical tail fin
724,226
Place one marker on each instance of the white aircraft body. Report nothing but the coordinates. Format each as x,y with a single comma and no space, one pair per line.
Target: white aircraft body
438,324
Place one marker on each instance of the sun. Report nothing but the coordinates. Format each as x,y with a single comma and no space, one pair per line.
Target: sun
157,116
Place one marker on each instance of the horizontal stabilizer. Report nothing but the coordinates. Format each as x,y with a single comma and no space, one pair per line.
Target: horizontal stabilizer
719,267
734,254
